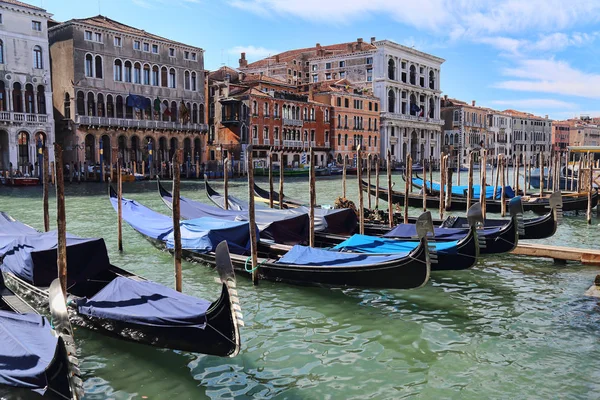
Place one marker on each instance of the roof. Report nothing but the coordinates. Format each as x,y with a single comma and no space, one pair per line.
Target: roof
521,114
334,49
222,73
21,4
100,21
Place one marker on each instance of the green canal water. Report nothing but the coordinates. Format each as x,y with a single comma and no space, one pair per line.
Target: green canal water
510,328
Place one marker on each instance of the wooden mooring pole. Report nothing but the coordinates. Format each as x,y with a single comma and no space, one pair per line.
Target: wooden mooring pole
61,220
590,187
251,213
503,165
271,179
369,165
361,205
449,172
226,185
313,199
483,187
344,179
376,182
470,182
176,221
389,188
442,184
425,185
45,195
280,180
407,188
119,205
541,174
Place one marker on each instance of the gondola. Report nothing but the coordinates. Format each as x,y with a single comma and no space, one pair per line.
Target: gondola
462,191
537,205
36,355
116,302
298,264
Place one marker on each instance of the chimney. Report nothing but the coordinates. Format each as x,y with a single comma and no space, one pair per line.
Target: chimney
473,103
310,92
350,48
243,61
546,116
373,39
359,44
359,40
277,58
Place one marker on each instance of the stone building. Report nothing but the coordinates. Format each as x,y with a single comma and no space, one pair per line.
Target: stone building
116,86
26,121
561,132
354,118
499,137
532,135
407,82
581,132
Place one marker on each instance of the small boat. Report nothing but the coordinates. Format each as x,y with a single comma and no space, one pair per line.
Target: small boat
296,264
116,302
286,171
463,190
36,355
22,181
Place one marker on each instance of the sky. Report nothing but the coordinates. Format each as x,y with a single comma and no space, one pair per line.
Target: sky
538,56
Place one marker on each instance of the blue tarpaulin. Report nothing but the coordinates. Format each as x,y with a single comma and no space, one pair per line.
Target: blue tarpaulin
376,245
27,348
201,234
302,255
409,231
145,303
463,190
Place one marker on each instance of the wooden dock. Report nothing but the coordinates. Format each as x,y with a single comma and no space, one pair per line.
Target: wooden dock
559,253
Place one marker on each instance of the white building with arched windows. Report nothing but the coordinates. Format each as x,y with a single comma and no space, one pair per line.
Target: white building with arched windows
407,82
26,121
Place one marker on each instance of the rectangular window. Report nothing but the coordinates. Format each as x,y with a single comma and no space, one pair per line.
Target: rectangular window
370,75
136,45
194,56
155,48
328,76
315,78
342,64
98,37
369,60
314,67
186,55
328,65
146,46
36,26
117,41
342,74
88,35
171,52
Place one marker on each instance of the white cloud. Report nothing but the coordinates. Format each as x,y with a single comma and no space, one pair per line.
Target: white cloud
551,76
252,53
550,43
536,104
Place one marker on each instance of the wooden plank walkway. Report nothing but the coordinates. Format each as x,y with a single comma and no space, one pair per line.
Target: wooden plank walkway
559,253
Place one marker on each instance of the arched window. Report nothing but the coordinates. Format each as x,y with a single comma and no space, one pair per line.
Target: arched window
37,57
194,82
155,75
118,70
414,108
89,67
339,139
29,99
128,109
413,75
276,110
23,143
163,76
119,106
254,108
91,104
1,52
346,140
137,73
100,105
339,125
41,99
110,107
99,68
391,101
266,109
312,114
456,116
375,141
195,113
391,69
80,103
128,71
369,141
431,107
431,80
172,78
67,106
201,110
186,80
146,74
345,121
17,97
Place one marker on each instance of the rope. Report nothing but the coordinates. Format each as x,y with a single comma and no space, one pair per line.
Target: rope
255,268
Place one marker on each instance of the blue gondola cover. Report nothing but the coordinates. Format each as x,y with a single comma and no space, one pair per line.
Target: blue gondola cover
407,231
145,303
462,190
27,348
377,245
302,255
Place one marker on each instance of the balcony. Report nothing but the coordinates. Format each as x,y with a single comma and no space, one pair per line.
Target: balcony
293,122
139,123
414,118
293,143
22,118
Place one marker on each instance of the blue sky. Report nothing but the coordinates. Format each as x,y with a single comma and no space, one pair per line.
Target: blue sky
540,56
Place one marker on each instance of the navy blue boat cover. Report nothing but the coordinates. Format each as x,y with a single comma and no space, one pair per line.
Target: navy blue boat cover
31,255
145,303
302,255
290,229
27,348
201,234
409,231
377,245
463,190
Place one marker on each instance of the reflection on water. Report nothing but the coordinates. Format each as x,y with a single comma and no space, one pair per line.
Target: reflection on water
511,327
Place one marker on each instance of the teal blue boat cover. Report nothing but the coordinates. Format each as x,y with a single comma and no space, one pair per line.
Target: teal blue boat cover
377,245
463,190
302,255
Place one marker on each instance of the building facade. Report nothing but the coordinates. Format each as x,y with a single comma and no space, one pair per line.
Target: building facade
465,130
119,87
532,136
407,83
26,120
583,133
500,135
561,132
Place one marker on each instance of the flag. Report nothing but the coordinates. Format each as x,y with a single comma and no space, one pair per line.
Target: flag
136,101
414,108
157,104
422,112
160,107
184,113
164,109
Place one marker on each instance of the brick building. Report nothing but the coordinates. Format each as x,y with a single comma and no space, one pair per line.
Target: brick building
116,86
561,132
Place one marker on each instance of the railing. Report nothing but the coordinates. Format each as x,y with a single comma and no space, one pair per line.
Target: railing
293,122
276,142
8,116
413,118
138,123
293,143
254,141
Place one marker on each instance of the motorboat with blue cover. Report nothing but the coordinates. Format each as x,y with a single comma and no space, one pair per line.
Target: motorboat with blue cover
297,265
463,190
37,359
113,301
